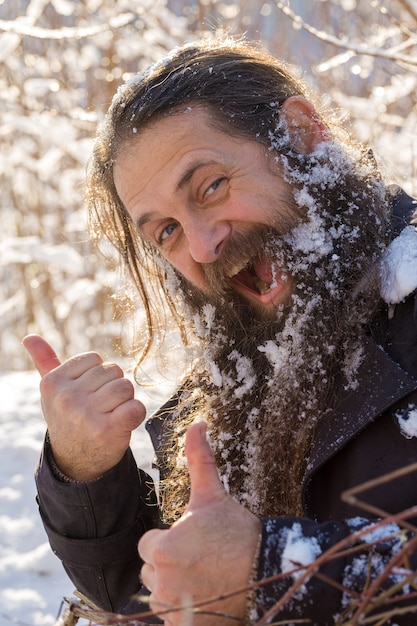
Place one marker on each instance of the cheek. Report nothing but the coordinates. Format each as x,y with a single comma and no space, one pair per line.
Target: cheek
189,269
255,208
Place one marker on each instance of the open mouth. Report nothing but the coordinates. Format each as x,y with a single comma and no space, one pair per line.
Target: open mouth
259,278
249,279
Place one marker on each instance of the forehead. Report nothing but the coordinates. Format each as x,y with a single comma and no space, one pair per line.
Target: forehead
175,133
160,156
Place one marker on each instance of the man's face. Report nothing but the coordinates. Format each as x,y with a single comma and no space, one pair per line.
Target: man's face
197,194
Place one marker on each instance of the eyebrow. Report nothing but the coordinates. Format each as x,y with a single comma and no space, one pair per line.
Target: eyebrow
183,181
143,219
190,171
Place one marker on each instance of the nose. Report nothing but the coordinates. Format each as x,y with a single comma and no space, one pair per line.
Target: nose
206,241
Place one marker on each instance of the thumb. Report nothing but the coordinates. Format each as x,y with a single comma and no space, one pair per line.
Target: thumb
43,355
206,487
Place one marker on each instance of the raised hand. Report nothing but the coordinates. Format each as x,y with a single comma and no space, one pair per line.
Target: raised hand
206,554
89,408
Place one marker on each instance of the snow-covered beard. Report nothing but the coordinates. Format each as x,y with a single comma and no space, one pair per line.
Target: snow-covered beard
263,382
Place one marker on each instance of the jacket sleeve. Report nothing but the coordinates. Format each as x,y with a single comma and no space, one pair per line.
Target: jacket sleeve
94,527
348,558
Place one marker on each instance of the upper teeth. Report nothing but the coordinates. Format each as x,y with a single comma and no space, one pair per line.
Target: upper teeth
236,269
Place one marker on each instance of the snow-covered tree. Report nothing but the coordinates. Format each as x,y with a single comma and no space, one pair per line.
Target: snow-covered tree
60,63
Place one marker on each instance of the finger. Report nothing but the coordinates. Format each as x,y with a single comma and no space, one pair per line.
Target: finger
112,393
104,374
131,413
148,543
147,575
43,355
80,364
206,486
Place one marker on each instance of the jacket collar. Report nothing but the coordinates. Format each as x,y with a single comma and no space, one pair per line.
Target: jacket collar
382,383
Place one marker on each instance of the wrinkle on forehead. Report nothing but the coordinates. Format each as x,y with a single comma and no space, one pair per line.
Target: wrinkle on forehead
162,156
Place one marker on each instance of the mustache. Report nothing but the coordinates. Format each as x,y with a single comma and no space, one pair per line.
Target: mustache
241,251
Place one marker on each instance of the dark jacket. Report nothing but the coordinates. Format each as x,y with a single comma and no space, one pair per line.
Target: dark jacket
94,527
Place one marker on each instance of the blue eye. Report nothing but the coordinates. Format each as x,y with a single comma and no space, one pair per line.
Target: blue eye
167,231
213,187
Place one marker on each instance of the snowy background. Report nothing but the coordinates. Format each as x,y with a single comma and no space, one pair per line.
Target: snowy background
32,581
60,63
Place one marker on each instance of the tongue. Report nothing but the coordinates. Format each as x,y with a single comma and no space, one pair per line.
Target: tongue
263,271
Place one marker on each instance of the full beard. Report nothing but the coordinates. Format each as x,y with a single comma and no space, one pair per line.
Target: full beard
264,380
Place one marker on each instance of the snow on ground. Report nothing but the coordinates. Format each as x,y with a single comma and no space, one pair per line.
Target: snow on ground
32,580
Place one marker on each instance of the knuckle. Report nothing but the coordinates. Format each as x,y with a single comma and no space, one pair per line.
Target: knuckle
87,359
114,369
135,413
47,384
93,357
127,383
125,388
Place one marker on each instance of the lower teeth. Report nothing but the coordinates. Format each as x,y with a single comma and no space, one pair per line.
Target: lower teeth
261,286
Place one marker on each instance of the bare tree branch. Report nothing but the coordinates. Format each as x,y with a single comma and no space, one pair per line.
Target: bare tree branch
21,28
409,7
344,43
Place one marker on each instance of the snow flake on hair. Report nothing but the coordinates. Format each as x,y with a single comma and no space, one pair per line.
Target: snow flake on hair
398,270
310,237
245,374
204,320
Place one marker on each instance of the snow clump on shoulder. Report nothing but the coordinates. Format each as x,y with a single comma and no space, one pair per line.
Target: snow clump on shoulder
398,271
407,421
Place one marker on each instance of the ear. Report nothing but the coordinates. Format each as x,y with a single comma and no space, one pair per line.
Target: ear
305,127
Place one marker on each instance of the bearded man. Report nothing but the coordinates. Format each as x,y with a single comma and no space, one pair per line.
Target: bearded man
287,263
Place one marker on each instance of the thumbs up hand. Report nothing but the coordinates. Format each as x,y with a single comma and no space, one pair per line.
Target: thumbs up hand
89,407
206,554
